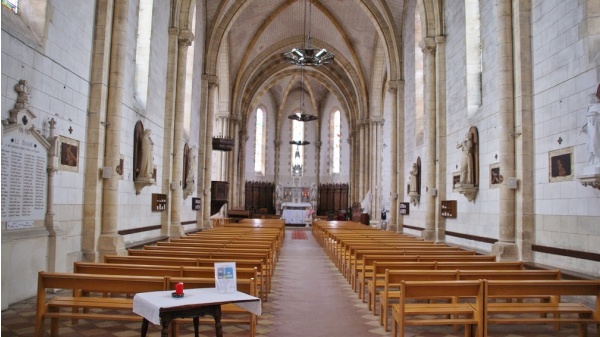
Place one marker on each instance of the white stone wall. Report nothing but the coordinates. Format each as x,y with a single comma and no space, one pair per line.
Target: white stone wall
480,217
416,216
567,214
57,67
135,210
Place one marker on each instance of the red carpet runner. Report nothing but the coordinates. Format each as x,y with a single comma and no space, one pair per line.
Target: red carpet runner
299,235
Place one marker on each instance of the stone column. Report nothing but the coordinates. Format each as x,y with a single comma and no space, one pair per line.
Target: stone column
57,255
400,183
352,172
212,85
234,128
110,242
393,92
376,126
506,248
430,193
184,41
441,133
96,131
362,173
242,160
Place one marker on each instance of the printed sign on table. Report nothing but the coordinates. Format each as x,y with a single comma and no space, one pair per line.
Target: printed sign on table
225,277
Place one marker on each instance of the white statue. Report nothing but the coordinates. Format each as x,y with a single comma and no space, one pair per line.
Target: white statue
313,192
146,164
279,194
592,129
466,163
414,172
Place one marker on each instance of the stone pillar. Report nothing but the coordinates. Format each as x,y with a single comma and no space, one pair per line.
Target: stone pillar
234,129
376,126
57,255
430,193
242,160
400,183
212,84
362,173
184,41
393,92
441,133
110,242
506,248
352,172
96,131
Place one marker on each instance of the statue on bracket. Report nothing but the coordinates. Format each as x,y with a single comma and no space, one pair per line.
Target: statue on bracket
143,159
414,186
591,173
469,164
189,159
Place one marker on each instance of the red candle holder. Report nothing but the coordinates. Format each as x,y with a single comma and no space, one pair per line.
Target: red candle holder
178,290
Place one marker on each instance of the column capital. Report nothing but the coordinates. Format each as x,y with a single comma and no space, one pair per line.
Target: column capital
440,39
392,86
185,38
213,80
377,120
428,45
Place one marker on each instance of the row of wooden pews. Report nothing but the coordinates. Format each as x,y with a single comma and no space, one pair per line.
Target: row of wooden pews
104,291
416,282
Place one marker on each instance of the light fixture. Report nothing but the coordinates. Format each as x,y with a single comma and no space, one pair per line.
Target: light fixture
308,56
299,143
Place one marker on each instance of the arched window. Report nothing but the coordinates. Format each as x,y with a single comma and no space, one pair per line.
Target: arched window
142,51
419,81
260,138
473,55
12,4
335,137
298,151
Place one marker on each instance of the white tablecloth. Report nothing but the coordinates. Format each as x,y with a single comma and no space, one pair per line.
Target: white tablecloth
294,216
148,304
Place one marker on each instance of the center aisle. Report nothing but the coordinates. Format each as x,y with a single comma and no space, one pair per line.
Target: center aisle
310,297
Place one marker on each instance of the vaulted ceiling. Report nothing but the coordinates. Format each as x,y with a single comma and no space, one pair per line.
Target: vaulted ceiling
363,35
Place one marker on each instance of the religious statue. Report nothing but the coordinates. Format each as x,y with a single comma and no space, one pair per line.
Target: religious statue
592,129
190,171
313,192
279,194
466,163
146,164
414,172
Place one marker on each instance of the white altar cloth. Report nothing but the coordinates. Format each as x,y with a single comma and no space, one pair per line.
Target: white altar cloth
148,304
295,212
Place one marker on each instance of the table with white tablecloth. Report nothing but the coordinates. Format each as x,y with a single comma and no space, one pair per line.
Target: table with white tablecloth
160,307
295,212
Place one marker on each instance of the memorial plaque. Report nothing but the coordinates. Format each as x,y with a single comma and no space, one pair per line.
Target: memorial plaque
24,178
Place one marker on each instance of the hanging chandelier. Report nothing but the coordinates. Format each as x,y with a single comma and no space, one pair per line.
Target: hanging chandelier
307,55
299,142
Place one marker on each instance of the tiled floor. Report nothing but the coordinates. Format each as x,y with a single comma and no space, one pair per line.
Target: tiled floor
320,303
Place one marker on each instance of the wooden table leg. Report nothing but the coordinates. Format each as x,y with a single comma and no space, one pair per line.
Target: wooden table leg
165,326
144,327
196,323
218,325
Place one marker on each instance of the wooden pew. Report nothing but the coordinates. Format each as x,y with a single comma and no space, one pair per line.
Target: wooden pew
407,313
113,308
394,277
375,281
126,269
553,312
157,260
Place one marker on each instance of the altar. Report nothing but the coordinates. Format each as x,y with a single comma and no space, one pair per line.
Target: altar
296,213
